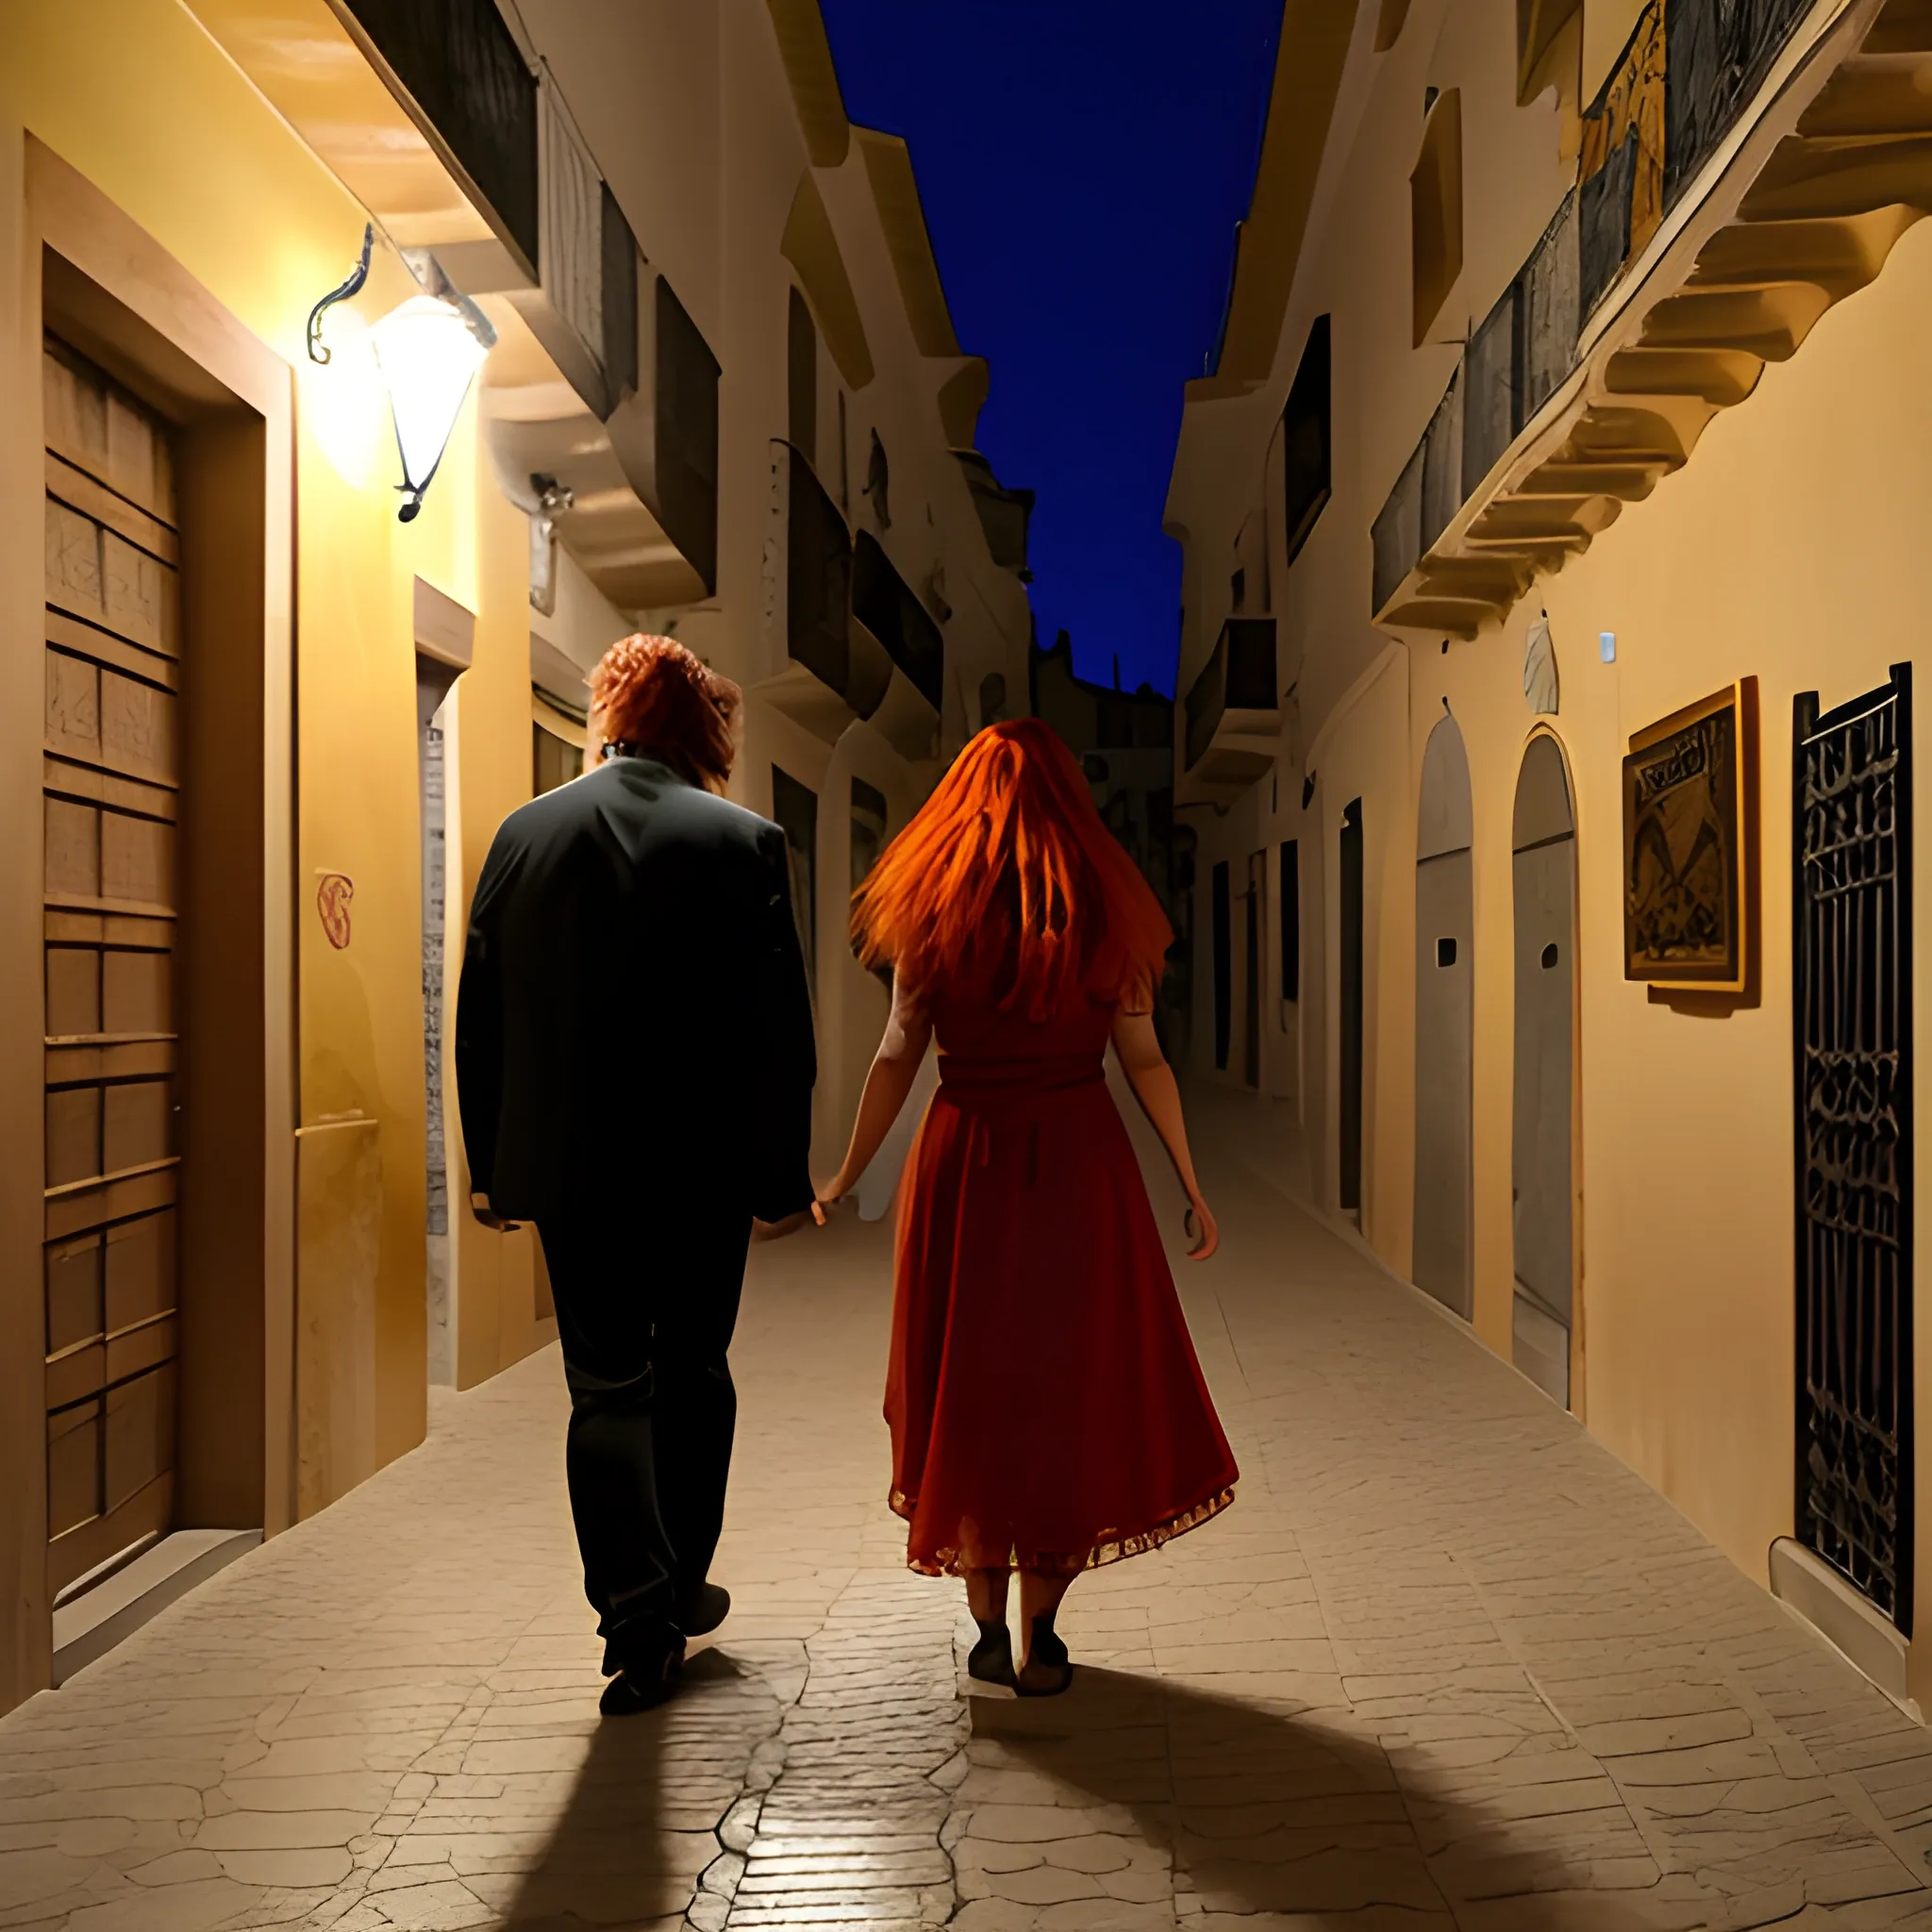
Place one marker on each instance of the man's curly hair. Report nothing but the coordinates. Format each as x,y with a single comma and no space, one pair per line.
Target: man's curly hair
656,698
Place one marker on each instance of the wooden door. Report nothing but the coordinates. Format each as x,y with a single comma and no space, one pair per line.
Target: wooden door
1543,1156
1256,912
1444,1021
1351,869
111,780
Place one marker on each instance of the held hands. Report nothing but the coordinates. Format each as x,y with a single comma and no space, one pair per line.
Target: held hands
1201,1227
829,1194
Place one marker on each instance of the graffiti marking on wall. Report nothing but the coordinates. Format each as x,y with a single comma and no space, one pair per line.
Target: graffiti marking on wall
333,892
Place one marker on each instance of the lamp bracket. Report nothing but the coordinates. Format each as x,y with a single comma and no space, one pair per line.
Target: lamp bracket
319,351
434,280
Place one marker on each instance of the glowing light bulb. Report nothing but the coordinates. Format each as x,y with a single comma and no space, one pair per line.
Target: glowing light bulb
428,359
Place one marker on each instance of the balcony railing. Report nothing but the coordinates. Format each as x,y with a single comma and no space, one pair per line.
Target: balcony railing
1665,109
888,607
474,95
1233,709
847,637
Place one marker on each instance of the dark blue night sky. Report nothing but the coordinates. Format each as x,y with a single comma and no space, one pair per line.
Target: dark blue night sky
1083,164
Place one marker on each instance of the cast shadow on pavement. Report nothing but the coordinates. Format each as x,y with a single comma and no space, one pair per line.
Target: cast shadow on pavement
640,1827
1271,1808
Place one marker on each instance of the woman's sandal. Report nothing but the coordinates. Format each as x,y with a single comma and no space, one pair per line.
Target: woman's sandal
991,1661
1046,1649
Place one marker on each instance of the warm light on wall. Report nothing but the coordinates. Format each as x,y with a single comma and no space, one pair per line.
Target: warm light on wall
427,353
429,357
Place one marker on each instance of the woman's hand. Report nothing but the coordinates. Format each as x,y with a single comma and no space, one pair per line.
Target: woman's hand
1201,1227
829,1194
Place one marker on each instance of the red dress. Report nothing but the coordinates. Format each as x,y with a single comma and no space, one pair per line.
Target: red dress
1047,1409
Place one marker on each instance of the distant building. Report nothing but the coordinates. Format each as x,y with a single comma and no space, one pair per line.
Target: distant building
1125,742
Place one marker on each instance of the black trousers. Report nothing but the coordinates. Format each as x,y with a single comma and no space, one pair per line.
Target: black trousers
646,1333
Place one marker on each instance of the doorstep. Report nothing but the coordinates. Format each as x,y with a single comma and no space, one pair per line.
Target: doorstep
1807,1584
90,1625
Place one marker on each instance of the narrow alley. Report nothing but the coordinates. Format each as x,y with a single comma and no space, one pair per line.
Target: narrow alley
1447,1663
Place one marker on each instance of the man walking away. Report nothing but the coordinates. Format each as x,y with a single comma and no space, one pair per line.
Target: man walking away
634,1070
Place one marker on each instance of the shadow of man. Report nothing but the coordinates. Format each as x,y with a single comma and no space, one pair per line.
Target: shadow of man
1268,1810
640,1826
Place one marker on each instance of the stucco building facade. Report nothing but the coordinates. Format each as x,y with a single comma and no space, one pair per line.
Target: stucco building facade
1551,528
263,731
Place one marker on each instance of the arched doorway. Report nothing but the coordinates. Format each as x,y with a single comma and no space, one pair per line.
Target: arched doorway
1544,841
1445,1021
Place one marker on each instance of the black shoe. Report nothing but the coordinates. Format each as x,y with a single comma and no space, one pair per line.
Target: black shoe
704,1610
991,1661
645,1680
1046,1650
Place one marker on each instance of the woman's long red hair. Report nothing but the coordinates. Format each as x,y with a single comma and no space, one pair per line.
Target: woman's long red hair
1007,869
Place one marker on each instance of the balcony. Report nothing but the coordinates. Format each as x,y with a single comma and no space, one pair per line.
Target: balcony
886,612
1004,514
826,670
471,163
1791,162
1232,727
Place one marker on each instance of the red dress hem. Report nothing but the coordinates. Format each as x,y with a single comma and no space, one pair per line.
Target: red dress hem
1112,1547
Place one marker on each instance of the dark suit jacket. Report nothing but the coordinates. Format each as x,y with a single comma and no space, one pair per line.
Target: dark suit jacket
634,1032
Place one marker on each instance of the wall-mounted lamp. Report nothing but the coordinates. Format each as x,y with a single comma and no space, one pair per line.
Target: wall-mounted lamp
428,356
427,352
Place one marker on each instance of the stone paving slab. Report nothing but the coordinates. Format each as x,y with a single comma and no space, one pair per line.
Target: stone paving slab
1446,1664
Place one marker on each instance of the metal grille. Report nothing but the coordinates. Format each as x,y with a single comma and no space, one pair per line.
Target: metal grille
1851,803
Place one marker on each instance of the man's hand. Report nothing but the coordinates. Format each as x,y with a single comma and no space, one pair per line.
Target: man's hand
481,1207
778,1230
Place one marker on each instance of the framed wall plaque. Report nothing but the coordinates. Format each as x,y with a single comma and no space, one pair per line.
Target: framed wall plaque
1690,834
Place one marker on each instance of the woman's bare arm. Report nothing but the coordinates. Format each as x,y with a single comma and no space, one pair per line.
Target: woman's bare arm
894,1068
1151,1079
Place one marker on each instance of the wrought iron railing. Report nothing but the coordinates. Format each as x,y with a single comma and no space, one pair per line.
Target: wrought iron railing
1853,974
817,576
1685,75
888,607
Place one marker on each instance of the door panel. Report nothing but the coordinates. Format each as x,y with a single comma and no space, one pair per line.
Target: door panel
1445,1021
1254,911
1349,1109
110,773
1543,1154
1444,1017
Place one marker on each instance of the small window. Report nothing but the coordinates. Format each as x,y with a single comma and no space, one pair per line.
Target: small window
1550,956
1306,441
1446,952
1435,197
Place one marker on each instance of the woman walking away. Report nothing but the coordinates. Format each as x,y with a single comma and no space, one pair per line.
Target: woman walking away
1047,1410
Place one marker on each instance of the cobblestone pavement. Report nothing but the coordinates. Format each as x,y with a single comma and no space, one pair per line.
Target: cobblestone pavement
1445,1663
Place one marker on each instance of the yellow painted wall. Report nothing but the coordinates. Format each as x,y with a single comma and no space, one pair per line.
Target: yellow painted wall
1790,549
135,97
